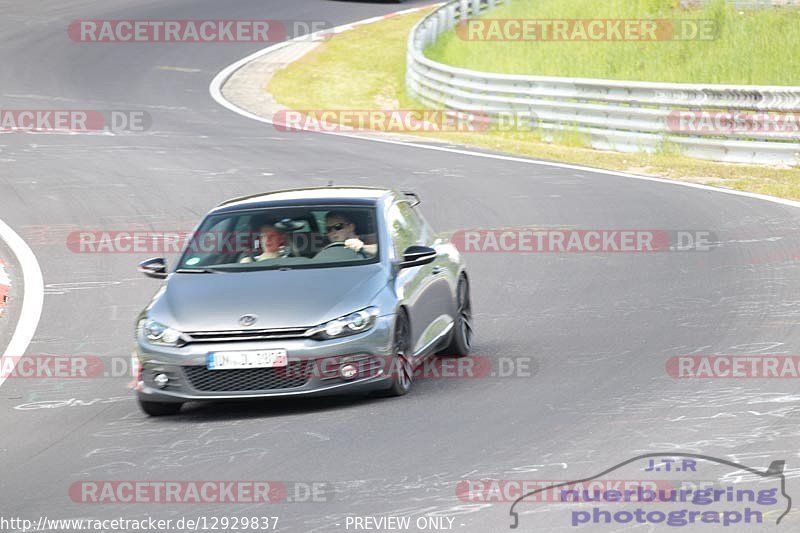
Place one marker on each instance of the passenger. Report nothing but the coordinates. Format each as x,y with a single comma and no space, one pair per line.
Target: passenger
340,229
272,244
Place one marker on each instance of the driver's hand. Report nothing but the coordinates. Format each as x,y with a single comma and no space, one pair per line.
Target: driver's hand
354,244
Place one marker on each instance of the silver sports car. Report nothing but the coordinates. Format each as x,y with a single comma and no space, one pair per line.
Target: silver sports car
302,292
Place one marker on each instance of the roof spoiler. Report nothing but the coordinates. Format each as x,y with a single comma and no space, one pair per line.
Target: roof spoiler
416,201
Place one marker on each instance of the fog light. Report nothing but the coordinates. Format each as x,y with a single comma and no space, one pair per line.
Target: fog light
161,380
348,371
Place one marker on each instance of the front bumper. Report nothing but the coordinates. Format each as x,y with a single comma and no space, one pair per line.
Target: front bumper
311,372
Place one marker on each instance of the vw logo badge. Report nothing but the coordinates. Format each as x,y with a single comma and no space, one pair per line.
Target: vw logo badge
248,320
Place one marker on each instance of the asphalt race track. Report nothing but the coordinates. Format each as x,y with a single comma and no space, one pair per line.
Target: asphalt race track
597,328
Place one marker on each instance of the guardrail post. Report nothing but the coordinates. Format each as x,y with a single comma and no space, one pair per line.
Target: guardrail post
419,40
441,22
490,4
409,71
433,30
450,19
476,7
463,10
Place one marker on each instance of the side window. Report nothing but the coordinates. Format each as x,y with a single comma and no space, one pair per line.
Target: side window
404,229
426,233
319,219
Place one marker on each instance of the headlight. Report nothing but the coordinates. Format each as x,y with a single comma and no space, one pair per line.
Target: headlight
157,333
347,325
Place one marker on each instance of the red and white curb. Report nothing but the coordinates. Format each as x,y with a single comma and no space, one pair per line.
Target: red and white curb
5,284
32,299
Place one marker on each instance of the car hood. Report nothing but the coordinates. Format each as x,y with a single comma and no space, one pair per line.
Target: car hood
279,298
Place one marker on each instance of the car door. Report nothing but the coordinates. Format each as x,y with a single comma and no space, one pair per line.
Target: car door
446,268
440,290
422,289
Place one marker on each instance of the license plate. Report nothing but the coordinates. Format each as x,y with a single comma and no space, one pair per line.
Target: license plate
247,359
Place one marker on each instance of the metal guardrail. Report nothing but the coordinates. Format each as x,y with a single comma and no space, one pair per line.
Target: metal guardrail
612,115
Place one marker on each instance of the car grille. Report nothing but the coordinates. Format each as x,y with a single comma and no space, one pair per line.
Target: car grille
296,374
244,335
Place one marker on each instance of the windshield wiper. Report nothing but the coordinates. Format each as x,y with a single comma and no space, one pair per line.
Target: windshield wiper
197,271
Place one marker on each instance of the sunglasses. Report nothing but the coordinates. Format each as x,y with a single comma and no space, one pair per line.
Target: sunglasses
336,227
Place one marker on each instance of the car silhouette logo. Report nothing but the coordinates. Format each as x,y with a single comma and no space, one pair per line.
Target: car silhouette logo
248,320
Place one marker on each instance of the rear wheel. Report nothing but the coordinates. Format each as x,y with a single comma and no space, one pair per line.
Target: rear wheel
461,342
159,408
401,369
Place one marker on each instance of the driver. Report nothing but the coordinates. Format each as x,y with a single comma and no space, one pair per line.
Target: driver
340,229
272,244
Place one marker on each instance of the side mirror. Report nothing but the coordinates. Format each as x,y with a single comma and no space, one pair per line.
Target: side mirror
154,268
417,256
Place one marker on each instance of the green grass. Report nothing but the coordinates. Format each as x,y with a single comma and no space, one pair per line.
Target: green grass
365,69
759,47
355,70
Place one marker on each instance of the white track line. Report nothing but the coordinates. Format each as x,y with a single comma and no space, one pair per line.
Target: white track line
33,294
215,88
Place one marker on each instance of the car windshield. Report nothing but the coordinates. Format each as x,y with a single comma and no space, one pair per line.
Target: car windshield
282,238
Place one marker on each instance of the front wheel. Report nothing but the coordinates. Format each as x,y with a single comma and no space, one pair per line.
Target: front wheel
461,342
159,408
401,368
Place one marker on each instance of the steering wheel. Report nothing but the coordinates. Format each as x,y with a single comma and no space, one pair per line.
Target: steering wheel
337,245
331,245
246,254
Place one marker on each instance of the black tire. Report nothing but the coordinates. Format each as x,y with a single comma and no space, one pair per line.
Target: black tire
401,369
461,340
159,408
